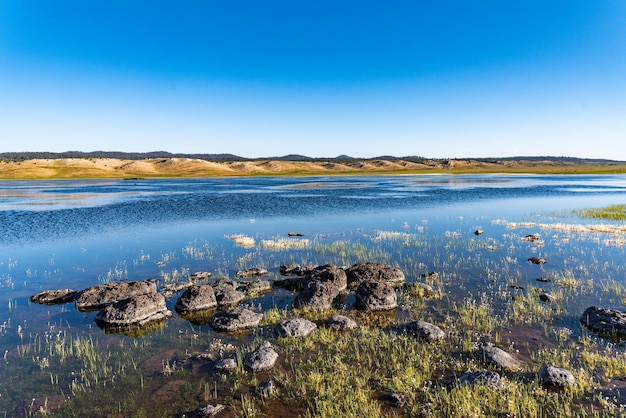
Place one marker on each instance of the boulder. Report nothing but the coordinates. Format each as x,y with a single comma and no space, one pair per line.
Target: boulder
425,330
328,273
296,327
374,295
263,358
54,297
555,377
237,319
96,297
316,296
293,269
293,284
226,293
341,323
485,377
226,364
251,272
499,358
374,271
196,298
607,322
134,311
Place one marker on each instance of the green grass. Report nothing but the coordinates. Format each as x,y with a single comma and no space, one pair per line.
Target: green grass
613,212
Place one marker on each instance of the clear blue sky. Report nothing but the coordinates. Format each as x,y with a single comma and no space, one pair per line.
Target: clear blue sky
319,78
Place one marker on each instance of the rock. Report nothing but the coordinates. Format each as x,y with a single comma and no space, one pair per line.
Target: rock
555,377
196,298
251,272
293,270
341,323
235,320
96,297
546,297
293,284
609,323
226,364
200,275
432,276
374,271
328,273
226,293
544,280
263,358
136,310
479,232
537,260
54,297
316,296
486,377
532,238
295,234
394,400
170,289
419,290
266,388
425,330
296,327
208,411
499,358
374,295
255,288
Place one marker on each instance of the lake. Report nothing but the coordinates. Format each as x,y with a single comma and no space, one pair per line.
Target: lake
77,234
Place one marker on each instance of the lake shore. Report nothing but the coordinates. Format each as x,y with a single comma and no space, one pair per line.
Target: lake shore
83,168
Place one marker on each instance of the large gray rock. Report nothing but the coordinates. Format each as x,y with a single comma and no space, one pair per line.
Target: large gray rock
374,295
556,377
96,297
296,327
498,357
425,330
54,297
263,358
237,319
226,293
316,296
485,377
374,271
196,298
607,322
136,310
341,323
328,273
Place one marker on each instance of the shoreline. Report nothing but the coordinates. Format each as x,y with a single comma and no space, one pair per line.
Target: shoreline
110,168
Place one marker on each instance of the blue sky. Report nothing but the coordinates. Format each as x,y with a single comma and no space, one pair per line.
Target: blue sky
445,79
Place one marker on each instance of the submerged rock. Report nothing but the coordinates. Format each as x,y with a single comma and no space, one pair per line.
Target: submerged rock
226,293
254,288
374,271
341,323
235,320
532,238
251,272
226,364
96,297
485,377
263,358
609,323
498,357
555,377
296,327
293,270
425,330
196,298
200,275
374,295
135,311
537,260
54,297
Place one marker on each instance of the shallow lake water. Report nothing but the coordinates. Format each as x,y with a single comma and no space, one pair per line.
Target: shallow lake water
76,234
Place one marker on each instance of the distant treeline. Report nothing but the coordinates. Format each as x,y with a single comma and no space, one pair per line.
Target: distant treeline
23,156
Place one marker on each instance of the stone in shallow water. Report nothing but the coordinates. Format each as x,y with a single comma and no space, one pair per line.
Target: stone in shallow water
374,271
263,358
328,273
226,364
374,295
136,310
235,320
296,327
609,323
96,297
556,377
254,288
537,260
251,272
54,297
226,293
209,410
486,377
498,357
196,298
425,330
341,323
316,296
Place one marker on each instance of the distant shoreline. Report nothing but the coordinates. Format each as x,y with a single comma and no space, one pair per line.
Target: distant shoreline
113,168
